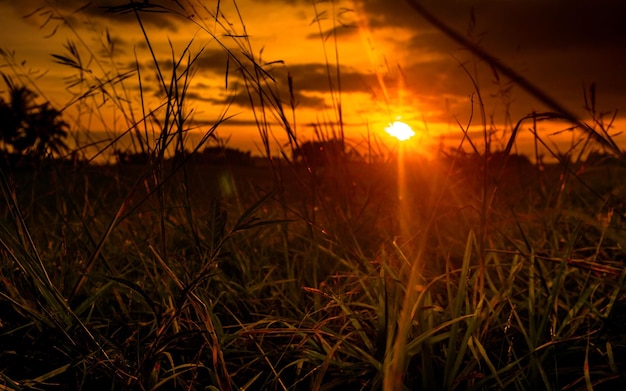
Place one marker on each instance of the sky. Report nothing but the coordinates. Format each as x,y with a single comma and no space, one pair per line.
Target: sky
392,64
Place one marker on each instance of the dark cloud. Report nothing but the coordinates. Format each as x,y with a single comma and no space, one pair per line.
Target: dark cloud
542,23
215,61
309,80
557,45
288,2
229,121
239,97
336,32
318,77
161,14
157,13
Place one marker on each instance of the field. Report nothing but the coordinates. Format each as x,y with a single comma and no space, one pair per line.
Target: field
244,277
473,268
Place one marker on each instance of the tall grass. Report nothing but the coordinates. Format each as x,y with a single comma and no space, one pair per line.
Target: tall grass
175,275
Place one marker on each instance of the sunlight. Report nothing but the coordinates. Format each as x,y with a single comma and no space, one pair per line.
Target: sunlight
400,130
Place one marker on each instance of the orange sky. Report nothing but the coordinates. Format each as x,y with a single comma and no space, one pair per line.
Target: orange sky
392,62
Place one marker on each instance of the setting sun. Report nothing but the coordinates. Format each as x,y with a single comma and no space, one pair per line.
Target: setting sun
400,130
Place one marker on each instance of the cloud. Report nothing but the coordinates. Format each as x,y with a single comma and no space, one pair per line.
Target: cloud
318,77
560,46
233,121
214,61
343,31
237,95
309,80
557,45
154,12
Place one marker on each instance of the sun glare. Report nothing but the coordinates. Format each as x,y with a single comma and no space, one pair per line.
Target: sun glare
400,130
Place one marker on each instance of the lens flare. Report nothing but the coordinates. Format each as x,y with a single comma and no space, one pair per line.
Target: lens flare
400,130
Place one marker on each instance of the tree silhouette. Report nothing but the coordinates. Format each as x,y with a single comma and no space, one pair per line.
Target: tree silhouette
28,128
320,152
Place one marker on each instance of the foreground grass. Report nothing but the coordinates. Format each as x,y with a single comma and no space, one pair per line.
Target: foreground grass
237,283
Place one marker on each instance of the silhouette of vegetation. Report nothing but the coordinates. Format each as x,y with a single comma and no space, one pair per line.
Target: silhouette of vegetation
211,155
131,158
600,158
473,162
29,129
223,155
320,152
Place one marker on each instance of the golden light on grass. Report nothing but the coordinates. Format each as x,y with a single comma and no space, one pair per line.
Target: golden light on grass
400,130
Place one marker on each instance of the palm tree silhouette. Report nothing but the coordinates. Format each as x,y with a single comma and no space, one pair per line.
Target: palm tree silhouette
28,128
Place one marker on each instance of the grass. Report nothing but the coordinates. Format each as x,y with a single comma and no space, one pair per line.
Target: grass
299,275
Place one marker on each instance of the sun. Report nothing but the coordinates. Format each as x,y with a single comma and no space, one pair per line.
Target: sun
400,130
